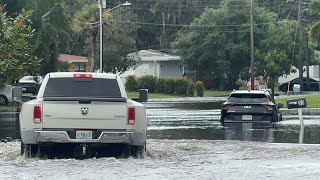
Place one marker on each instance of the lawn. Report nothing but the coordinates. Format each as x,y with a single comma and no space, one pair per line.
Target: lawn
313,101
152,95
207,93
215,93
6,108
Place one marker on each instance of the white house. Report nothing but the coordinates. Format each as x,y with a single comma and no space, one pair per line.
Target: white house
155,63
313,73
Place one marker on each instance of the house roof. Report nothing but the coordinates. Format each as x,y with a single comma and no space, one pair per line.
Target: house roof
72,58
153,55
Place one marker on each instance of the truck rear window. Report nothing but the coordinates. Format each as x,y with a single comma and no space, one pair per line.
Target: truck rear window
82,87
248,98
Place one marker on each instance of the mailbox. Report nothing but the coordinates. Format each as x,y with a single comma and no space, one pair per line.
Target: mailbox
143,95
297,103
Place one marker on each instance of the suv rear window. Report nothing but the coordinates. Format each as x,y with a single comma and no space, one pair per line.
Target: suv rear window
82,87
248,98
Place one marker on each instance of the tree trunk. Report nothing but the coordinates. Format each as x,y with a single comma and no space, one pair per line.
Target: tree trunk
53,58
272,84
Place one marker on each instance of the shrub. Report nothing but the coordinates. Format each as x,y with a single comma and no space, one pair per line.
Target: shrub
181,86
161,83
131,84
169,86
147,82
191,88
199,88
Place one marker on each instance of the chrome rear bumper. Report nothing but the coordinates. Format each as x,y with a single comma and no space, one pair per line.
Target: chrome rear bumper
126,137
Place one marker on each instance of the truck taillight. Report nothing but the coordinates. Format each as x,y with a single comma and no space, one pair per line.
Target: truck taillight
82,76
131,115
37,114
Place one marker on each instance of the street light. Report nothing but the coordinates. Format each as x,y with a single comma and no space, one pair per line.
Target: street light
102,4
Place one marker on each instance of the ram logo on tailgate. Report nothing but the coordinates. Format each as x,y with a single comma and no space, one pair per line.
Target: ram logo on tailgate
84,111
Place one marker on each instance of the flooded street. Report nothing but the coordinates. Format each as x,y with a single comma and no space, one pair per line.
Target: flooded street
186,141
199,119
175,159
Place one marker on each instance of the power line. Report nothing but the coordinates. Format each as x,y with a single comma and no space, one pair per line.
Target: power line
93,23
185,25
192,9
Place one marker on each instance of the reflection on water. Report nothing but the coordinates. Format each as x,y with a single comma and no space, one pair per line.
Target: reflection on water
200,120
8,124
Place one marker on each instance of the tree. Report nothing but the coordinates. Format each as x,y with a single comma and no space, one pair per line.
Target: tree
162,19
13,7
86,21
53,28
16,55
119,41
277,53
217,45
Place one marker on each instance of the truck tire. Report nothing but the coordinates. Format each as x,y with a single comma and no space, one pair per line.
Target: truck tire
29,150
138,151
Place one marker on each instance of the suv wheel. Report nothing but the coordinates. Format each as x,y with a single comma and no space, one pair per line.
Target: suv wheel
3,100
279,117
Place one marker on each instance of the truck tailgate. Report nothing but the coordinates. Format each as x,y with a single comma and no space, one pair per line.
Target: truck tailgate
94,115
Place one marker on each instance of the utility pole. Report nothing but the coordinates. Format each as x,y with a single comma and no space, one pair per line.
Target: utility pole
301,58
307,58
251,44
101,33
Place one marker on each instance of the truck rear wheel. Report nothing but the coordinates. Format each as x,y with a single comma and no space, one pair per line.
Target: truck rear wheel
138,151
29,150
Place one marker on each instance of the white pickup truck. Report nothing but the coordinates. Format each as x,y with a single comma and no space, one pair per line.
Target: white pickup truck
85,110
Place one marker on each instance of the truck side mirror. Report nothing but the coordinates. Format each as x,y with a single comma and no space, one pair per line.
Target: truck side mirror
17,94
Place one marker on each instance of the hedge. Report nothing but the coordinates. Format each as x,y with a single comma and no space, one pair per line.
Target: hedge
178,86
199,88
131,84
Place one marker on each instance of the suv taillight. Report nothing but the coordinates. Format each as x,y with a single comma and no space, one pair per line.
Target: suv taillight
267,106
226,106
131,116
37,114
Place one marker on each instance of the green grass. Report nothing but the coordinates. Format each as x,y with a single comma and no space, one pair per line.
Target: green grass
210,93
6,108
27,94
313,101
207,93
152,95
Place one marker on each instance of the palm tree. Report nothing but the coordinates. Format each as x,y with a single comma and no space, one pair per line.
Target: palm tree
87,20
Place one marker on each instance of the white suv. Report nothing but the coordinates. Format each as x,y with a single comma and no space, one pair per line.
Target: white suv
6,95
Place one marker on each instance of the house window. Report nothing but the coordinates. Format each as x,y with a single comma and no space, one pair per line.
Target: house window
181,68
79,68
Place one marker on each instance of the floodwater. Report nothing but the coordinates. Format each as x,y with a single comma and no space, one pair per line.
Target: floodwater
198,118
186,141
